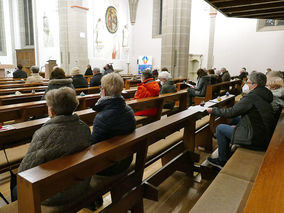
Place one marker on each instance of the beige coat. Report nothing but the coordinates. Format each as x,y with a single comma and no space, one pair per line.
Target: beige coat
34,78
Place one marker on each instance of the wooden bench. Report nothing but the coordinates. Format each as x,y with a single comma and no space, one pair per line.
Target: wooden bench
8,86
231,189
214,90
268,189
131,83
65,171
22,90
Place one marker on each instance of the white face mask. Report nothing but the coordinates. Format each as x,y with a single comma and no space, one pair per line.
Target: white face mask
245,89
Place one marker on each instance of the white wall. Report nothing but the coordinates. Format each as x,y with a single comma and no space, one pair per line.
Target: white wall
8,58
237,44
48,44
98,57
199,30
143,43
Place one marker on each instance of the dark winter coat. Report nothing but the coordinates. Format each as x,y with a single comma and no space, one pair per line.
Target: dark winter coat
19,74
89,72
201,86
257,120
58,83
226,76
96,80
79,81
59,136
168,87
114,118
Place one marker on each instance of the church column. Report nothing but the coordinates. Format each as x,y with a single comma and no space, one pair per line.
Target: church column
133,4
213,14
175,36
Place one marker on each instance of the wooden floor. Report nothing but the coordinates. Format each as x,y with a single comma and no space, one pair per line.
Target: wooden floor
178,193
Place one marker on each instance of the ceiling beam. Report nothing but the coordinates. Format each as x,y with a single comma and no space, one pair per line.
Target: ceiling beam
253,8
261,12
242,3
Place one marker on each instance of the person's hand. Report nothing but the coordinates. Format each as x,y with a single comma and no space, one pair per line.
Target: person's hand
209,110
191,86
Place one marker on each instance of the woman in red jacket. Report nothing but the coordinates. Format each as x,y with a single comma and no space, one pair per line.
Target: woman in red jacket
148,88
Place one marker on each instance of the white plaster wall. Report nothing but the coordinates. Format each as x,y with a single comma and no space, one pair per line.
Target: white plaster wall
99,57
52,50
8,58
237,44
199,30
143,43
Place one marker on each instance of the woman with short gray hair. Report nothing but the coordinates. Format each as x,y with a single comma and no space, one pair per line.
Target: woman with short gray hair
35,77
62,135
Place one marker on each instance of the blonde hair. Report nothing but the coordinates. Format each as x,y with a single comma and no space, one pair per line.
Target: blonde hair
75,71
273,74
275,83
62,101
112,83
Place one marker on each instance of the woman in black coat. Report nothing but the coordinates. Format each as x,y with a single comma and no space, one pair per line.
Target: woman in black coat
79,81
200,89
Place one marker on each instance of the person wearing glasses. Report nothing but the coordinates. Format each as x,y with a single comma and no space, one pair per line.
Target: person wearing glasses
255,127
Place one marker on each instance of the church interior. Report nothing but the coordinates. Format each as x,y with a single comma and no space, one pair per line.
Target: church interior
141,106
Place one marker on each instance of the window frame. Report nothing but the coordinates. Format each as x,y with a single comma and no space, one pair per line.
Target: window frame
26,24
262,28
3,52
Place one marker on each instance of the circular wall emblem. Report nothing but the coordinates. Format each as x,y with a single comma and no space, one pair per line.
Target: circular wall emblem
111,20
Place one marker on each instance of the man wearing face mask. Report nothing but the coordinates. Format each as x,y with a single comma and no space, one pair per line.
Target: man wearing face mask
168,86
255,127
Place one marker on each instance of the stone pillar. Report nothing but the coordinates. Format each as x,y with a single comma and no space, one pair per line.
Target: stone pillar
133,4
175,36
210,62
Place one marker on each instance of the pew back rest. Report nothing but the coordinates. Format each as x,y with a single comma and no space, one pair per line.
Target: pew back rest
63,172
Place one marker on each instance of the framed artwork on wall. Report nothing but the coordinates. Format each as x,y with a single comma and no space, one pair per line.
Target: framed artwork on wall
111,19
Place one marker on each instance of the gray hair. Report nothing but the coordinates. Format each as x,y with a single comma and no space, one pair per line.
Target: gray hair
96,69
164,74
62,101
113,84
258,78
147,74
34,69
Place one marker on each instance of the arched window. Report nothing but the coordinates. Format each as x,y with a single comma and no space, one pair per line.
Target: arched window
157,18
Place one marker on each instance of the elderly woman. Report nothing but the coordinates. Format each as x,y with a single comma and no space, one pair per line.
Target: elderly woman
168,86
114,118
35,77
57,80
62,135
276,86
200,89
79,81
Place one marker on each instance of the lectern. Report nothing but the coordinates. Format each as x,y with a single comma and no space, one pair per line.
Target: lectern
49,68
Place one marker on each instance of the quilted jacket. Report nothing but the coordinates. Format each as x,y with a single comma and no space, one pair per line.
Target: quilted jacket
148,88
59,136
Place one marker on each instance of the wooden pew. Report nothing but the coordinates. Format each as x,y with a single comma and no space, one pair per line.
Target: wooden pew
7,86
214,90
22,90
22,111
268,189
35,181
131,83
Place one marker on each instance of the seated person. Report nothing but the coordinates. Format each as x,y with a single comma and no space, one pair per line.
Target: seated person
225,75
79,81
168,86
89,70
108,69
213,77
276,86
148,88
19,73
35,77
243,74
200,89
96,79
62,135
114,118
57,80
255,127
